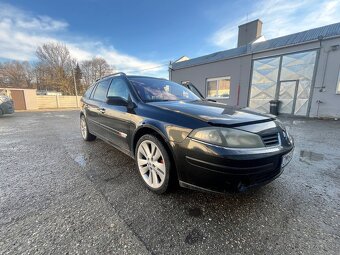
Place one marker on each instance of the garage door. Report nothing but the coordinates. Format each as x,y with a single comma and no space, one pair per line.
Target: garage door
19,99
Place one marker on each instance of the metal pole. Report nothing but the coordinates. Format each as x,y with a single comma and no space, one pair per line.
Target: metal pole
75,87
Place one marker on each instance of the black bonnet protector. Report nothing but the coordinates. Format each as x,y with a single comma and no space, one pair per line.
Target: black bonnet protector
216,114
245,116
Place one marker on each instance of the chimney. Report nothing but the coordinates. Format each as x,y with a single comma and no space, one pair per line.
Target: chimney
249,32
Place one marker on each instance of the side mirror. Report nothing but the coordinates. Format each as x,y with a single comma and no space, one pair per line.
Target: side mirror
116,101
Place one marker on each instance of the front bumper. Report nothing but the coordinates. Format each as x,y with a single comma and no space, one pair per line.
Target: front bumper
213,168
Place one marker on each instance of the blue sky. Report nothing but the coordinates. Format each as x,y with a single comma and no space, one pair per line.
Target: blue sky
138,35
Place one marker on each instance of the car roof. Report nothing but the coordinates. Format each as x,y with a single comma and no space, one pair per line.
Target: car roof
142,76
110,76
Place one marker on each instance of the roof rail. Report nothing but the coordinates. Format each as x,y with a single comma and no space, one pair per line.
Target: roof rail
113,74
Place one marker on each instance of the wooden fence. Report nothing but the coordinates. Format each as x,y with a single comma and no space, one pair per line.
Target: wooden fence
54,102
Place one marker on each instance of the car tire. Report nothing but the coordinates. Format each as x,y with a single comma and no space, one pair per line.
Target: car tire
87,136
153,163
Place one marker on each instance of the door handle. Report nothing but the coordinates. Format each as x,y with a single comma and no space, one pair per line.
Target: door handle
102,110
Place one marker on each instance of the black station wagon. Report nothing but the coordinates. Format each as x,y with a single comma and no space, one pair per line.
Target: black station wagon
176,136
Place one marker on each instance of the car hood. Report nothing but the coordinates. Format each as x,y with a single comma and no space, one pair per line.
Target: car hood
215,113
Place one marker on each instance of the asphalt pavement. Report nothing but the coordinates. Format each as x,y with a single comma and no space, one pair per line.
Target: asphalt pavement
61,195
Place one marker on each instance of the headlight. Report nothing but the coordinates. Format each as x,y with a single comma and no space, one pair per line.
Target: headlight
227,137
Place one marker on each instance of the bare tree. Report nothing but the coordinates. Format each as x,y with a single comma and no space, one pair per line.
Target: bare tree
101,67
87,74
77,76
28,71
94,69
16,74
55,67
54,70
54,55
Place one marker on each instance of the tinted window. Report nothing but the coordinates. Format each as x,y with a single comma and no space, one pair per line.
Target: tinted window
118,88
101,90
151,89
88,91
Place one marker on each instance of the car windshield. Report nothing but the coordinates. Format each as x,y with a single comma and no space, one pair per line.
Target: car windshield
152,90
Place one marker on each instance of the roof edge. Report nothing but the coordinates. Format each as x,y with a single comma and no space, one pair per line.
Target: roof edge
252,53
332,28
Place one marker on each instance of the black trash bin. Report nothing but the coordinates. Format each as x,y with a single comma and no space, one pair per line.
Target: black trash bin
274,107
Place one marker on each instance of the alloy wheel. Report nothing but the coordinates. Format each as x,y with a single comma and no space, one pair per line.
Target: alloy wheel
151,164
83,127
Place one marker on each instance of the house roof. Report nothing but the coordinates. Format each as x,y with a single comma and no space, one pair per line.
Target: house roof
183,58
314,34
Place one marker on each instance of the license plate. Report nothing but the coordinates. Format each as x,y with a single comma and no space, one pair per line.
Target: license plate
287,158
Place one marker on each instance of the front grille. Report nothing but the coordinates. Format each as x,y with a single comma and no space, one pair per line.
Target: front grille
270,139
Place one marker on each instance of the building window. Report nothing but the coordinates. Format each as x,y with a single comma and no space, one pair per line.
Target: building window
338,87
218,87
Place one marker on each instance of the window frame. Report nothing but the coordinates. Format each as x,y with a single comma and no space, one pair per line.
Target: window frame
93,90
217,79
189,84
90,89
196,90
96,87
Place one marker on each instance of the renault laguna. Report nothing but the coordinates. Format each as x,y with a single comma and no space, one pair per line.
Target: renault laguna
177,137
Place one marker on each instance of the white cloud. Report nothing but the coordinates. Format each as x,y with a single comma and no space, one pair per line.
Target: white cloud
22,32
122,62
25,20
281,17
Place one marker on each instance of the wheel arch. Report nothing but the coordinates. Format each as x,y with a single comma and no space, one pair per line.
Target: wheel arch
81,113
148,129
152,130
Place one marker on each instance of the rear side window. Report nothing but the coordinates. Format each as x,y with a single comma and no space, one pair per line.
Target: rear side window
88,91
101,90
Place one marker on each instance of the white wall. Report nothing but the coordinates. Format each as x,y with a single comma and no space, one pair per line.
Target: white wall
330,106
239,70
327,77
